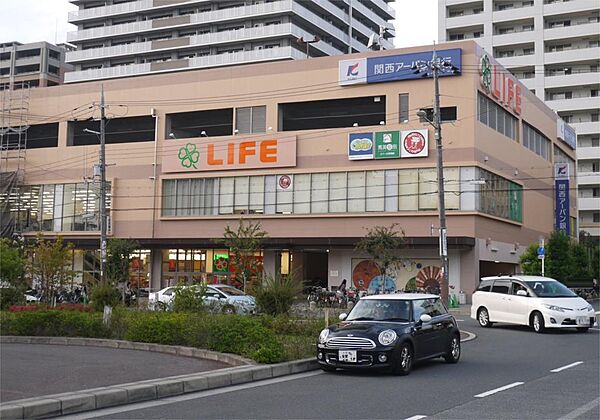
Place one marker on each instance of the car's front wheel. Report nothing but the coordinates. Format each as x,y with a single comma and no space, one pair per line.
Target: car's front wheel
483,316
453,354
537,322
228,310
404,361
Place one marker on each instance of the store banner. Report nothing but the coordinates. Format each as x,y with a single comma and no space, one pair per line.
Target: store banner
387,145
562,216
391,68
360,146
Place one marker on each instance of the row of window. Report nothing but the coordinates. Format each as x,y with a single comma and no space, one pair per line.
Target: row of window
536,141
55,207
338,192
495,117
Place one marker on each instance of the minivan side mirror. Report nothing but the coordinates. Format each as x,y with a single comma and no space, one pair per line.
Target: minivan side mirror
343,316
521,293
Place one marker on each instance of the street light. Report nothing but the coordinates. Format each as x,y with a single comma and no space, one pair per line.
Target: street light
437,125
301,41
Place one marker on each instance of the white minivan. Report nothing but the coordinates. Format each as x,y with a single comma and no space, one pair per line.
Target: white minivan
539,302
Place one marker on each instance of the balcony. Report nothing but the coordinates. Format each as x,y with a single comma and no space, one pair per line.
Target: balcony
284,53
576,54
569,7
591,228
513,14
584,153
588,178
78,16
517,61
465,20
588,127
587,29
575,79
591,203
513,38
573,104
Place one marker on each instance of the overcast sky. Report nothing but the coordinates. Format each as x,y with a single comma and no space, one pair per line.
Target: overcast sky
46,20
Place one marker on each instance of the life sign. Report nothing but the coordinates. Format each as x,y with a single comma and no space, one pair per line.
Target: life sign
502,85
205,154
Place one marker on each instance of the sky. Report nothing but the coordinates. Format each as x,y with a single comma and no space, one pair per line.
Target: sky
46,20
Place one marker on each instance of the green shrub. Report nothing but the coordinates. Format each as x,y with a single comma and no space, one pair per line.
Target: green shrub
10,296
54,323
104,294
189,299
275,294
158,327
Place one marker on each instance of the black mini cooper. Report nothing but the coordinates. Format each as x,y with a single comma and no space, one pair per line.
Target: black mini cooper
390,332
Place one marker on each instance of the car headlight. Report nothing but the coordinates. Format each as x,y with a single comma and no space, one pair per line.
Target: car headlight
323,336
590,308
387,337
556,308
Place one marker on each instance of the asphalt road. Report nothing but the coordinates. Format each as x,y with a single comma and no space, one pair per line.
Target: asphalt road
501,356
30,370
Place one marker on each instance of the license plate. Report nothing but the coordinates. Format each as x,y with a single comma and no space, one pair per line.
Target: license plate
347,356
583,320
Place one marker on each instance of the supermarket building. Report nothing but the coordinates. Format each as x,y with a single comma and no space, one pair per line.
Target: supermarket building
317,151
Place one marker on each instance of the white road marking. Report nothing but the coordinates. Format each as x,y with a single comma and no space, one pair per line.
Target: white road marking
460,320
502,388
581,410
565,367
470,336
185,397
417,417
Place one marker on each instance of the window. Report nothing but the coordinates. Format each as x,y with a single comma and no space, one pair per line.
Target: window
404,113
596,217
457,37
431,307
500,197
332,113
516,287
251,119
212,123
501,286
495,117
118,130
485,286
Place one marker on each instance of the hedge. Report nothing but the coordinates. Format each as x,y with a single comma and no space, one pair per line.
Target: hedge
262,338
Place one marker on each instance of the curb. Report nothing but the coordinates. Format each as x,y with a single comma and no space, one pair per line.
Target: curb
230,359
97,398
470,336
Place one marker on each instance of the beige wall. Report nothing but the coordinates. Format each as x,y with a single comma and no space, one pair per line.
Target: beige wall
466,142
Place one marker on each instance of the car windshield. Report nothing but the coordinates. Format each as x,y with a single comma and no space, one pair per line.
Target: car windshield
550,289
380,310
232,291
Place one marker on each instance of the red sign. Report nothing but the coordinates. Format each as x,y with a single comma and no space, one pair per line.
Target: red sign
500,84
414,143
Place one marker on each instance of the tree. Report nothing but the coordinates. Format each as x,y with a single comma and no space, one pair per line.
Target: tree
382,244
49,263
12,264
558,262
244,243
530,264
592,250
118,259
579,263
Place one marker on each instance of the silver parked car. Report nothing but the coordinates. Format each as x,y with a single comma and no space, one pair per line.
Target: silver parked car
221,297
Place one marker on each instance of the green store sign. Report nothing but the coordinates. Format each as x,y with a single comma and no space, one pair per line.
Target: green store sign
387,145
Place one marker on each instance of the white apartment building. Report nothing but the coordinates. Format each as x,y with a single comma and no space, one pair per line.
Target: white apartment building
553,47
117,38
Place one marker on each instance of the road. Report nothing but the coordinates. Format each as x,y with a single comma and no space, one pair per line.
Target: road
505,373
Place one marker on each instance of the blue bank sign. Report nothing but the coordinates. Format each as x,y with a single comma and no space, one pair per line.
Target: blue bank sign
391,68
561,197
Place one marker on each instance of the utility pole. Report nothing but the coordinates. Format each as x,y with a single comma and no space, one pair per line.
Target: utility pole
102,189
437,123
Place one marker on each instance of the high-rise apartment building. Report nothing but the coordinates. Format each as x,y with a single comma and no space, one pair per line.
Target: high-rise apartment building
553,47
33,64
117,38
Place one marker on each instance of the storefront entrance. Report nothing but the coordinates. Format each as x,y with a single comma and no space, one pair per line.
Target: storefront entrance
315,268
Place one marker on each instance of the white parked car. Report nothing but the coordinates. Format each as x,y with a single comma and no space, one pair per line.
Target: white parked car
539,302
225,298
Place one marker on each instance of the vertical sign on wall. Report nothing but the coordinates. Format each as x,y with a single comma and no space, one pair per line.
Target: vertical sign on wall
561,196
